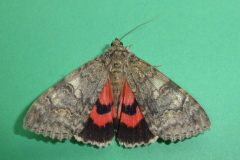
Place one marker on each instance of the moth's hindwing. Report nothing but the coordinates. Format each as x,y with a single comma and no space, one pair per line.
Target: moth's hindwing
65,107
133,129
99,129
170,112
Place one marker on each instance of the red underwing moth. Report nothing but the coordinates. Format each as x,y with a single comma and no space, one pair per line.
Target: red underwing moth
116,94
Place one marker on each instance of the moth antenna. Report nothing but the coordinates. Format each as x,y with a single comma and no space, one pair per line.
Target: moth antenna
138,26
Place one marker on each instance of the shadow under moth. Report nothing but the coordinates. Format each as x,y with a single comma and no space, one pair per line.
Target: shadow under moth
116,94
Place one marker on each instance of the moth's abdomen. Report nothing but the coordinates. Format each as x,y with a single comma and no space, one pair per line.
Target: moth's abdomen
116,87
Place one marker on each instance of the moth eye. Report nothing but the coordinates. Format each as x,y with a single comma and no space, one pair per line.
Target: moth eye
121,43
112,44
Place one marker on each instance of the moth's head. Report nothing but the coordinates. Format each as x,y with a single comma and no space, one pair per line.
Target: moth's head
117,43
117,50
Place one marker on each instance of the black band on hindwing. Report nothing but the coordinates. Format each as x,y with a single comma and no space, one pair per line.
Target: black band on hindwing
102,109
130,109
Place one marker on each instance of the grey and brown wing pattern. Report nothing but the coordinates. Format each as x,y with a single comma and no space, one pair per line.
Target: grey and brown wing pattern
64,108
116,94
170,112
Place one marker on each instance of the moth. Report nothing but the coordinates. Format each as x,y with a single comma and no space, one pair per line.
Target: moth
116,95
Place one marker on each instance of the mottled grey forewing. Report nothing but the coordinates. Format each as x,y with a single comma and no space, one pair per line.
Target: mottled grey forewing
170,112
65,107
